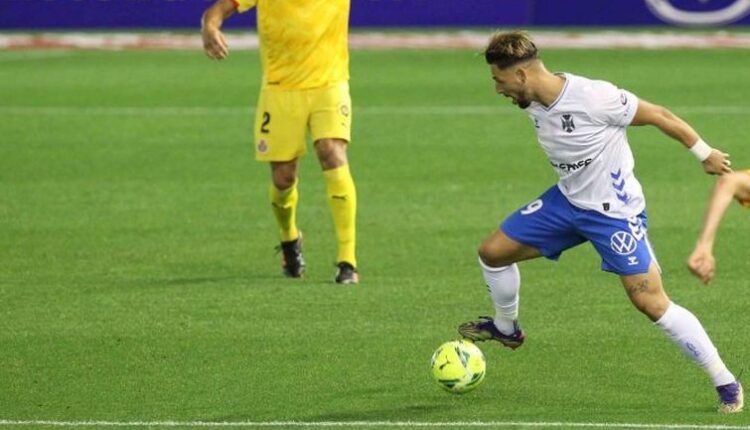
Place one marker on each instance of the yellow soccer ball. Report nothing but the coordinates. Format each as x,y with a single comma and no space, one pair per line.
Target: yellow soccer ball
458,366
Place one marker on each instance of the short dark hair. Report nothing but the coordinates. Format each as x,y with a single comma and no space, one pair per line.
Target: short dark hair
507,49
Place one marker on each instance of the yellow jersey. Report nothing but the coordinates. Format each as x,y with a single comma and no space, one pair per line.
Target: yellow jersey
303,43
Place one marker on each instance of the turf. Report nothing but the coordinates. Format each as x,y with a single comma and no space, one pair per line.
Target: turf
138,279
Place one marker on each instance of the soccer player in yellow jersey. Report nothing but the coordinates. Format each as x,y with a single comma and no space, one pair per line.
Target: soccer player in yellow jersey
733,185
305,57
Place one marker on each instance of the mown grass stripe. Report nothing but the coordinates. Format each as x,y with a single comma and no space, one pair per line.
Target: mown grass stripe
346,424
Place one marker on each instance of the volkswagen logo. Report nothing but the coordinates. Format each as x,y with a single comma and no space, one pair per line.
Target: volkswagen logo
623,243
668,12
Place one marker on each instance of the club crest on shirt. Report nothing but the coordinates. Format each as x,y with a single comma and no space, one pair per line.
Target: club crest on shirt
567,123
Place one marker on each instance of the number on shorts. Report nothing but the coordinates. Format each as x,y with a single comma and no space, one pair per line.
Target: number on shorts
533,207
266,120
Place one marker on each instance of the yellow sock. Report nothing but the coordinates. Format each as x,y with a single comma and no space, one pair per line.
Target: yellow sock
342,197
284,205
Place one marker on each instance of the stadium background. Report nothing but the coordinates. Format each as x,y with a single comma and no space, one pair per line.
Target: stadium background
138,282
105,14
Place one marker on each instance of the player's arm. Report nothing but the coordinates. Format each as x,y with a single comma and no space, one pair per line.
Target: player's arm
713,160
734,185
214,43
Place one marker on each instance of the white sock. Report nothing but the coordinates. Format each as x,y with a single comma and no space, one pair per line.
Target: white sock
503,284
686,331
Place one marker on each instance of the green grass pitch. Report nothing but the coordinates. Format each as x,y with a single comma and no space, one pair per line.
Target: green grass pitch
138,279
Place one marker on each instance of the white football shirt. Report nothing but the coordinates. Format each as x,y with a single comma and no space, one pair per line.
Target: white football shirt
583,134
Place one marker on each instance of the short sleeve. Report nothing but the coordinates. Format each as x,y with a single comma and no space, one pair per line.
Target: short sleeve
244,5
612,105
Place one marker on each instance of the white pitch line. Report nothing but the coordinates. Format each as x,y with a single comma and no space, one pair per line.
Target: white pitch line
345,424
365,110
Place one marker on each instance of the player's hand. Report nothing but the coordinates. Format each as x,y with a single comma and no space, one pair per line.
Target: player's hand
717,163
702,264
214,44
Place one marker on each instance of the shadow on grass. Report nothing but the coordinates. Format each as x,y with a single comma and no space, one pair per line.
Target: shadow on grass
254,281
413,411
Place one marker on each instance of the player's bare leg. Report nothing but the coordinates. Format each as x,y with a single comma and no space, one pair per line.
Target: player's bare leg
331,153
647,295
342,198
284,196
646,292
498,250
498,256
284,173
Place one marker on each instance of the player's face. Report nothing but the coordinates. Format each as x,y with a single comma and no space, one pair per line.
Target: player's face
509,84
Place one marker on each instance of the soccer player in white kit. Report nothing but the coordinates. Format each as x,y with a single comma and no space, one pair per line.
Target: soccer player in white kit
581,124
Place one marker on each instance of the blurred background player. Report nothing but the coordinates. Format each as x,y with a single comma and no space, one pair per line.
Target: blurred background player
733,185
304,52
581,125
